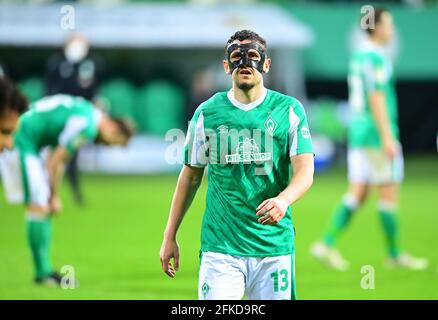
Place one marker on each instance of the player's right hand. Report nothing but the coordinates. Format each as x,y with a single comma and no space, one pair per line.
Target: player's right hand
55,205
169,250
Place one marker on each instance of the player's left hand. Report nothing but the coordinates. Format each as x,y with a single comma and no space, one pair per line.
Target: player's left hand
272,210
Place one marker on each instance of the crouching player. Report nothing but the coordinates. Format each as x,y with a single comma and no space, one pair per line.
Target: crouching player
63,123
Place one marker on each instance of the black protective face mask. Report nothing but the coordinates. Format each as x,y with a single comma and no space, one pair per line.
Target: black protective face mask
6,132
245,60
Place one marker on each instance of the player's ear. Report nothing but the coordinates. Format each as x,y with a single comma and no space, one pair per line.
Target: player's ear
226,67
267,65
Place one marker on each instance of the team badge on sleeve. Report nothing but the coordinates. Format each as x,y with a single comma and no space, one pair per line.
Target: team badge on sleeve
305,133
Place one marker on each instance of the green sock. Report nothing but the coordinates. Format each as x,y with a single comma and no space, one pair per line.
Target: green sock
341,217
389,219
39,236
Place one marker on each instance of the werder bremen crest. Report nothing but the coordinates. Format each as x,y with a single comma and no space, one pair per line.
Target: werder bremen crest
270,125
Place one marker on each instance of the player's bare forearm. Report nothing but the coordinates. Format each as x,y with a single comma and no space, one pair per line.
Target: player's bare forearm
381,118
378,110
188,183
272,210
55,169
56,172
302,178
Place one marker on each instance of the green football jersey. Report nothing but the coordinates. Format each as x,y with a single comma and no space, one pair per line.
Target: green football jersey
370,70
247,149
58,120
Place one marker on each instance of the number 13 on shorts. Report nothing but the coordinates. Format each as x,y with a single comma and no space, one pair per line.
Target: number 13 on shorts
282,279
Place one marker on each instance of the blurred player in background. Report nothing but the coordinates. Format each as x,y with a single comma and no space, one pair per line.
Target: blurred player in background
74,72
61,122
247,244
374,152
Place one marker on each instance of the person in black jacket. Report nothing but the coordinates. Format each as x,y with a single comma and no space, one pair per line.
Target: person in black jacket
75,72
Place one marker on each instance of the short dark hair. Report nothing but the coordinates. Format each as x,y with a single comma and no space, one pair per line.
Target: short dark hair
378,13
11,97
246,35
125,126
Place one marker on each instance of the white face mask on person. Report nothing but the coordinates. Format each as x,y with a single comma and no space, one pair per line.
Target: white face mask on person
76,51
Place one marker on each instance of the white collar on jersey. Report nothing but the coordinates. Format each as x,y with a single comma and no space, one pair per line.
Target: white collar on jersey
249,106
97,115
369,45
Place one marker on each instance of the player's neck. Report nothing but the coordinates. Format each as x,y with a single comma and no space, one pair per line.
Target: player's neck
250,95
376,41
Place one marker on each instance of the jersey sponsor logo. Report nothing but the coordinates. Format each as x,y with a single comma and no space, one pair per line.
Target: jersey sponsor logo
222,129
248,151
305,133
270,125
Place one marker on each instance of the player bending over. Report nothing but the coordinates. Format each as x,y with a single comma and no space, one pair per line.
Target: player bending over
63,123
374,154
250,137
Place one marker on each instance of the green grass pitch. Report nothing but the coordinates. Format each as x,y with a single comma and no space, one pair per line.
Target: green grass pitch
113,242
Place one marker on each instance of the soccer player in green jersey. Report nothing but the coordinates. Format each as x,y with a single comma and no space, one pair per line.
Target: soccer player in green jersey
250,138
374,153
63,123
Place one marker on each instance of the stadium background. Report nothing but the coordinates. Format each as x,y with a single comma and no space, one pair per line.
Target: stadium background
159,60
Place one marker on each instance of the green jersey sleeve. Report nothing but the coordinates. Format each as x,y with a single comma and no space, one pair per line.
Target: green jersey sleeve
374,73
196,147
300,140
76,133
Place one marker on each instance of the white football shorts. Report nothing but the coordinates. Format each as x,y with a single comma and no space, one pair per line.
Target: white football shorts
372,166
227,277
25,178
